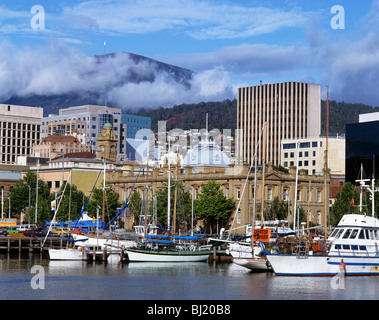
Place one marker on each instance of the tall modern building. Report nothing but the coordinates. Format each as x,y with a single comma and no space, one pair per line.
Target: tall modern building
291,110
20,128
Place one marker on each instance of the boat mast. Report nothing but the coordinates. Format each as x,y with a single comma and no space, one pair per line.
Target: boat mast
176,191
103,213
263,171
326,202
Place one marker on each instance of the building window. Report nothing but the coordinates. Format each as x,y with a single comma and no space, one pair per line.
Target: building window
318,196
239,216
269,194
238,193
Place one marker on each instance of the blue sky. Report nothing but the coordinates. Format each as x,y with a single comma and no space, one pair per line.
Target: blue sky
228,43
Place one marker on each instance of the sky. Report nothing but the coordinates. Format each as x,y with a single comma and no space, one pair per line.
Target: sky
46,45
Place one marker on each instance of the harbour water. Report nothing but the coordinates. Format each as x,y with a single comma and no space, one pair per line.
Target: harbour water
32,278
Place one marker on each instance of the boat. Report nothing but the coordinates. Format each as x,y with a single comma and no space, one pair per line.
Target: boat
67,254
355,242
171,253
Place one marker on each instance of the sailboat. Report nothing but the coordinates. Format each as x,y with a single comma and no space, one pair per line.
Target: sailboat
169,248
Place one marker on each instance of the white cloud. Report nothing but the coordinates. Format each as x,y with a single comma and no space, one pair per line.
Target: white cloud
199,19
63,70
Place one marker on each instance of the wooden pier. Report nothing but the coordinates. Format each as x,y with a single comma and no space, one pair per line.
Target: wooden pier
30,244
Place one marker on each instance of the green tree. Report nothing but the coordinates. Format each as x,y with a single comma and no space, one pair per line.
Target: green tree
70,209
213,207
342,204
183,206
24,190
135,204
277,210
111,203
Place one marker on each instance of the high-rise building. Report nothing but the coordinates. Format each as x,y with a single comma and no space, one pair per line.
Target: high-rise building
291,110
20,128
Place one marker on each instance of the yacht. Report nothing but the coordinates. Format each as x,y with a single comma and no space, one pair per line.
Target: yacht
354,243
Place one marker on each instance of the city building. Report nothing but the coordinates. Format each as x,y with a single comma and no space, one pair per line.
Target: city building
107,144
135,123
20,128
277,184
134,144
291,110
88,120
56,145
309,154
362,148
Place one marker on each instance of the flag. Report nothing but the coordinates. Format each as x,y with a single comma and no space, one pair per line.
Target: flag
352,202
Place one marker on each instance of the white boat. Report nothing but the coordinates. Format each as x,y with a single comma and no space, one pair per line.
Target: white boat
167,255
68,254
355,241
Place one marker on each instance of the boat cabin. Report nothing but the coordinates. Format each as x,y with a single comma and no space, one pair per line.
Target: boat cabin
355,235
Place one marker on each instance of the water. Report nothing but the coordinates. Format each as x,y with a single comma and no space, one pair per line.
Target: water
166,281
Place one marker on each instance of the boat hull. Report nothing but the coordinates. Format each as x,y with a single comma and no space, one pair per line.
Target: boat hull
67,254
292,265
135,255
253,264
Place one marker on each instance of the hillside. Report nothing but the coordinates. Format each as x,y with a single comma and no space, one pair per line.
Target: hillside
223,115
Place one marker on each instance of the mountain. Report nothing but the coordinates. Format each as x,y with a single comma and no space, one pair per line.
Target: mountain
99,77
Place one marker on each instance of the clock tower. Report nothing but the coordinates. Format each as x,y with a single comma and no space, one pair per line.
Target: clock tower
107,144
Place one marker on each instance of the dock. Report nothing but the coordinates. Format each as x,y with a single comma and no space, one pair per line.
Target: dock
30,244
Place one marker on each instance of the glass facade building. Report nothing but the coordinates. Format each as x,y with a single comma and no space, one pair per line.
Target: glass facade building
362,148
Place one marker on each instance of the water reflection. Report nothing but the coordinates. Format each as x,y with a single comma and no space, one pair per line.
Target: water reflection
173,281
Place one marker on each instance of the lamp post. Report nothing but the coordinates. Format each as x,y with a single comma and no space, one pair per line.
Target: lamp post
190,189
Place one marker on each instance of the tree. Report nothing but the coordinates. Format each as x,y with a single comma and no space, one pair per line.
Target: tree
70,209
111,203
135,204
278,210
184,206
213,207
343,203
24,190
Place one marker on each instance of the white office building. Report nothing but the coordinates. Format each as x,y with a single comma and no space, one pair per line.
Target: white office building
20,128
309,154
87,120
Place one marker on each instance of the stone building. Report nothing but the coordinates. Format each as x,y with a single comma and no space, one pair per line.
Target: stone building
55,146
232,183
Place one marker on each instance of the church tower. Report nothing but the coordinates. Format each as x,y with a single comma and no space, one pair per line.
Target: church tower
107,144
